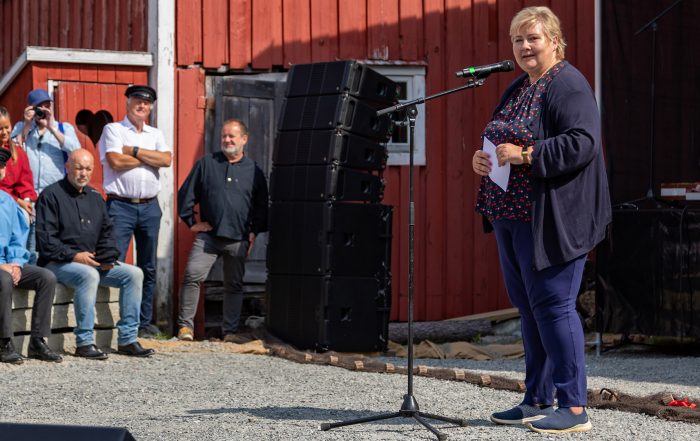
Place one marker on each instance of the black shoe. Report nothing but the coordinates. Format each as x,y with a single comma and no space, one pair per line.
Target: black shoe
150,328
41,351
8,353
91,352
146,333
135,350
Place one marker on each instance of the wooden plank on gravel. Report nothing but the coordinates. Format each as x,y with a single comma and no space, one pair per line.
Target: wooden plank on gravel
106,315
22,298
494,316
104,338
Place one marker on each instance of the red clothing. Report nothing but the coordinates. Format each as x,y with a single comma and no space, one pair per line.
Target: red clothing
18,180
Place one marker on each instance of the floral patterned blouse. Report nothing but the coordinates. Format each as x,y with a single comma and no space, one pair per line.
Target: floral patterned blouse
510,125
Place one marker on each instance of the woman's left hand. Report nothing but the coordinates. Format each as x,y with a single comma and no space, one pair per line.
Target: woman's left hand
509,153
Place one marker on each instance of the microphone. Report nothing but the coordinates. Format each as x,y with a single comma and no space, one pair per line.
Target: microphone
486,70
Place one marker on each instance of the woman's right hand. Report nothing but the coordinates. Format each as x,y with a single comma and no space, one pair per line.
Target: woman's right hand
481,163
26,206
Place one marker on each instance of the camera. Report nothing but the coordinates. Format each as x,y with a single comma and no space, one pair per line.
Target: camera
39,113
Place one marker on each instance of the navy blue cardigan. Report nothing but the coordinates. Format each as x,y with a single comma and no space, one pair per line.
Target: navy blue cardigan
570,196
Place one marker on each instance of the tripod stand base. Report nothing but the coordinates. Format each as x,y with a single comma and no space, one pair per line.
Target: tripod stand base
409,409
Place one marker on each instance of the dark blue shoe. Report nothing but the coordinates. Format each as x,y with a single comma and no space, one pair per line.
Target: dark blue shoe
521,414
562,421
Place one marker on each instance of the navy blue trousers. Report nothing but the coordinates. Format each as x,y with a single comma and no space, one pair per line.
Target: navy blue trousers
142,221
551,328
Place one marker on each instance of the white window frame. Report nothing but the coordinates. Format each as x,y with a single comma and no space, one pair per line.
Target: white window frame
414,76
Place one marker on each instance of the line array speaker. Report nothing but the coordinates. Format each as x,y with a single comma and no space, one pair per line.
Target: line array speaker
340,111
311,238
315,147
329,247
322,312
324,182
339,77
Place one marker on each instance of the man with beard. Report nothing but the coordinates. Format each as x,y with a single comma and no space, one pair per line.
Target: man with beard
232,195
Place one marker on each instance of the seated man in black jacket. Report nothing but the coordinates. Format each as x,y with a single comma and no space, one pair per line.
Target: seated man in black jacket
74,239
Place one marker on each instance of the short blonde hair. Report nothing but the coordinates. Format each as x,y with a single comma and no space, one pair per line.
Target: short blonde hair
549,21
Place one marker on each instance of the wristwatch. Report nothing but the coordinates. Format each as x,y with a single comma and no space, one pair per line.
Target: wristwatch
526,158
134,152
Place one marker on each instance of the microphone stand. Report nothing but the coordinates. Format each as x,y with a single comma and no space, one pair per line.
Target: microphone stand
653,25
409,408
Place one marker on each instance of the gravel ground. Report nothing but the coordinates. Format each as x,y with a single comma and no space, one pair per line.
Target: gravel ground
215,395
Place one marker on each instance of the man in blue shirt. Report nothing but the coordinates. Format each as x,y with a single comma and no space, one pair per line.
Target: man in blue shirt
47,143
14,272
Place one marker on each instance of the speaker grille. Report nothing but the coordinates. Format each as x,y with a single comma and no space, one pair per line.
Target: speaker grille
330,313
342,77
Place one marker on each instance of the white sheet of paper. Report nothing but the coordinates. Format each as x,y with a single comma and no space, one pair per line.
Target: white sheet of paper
499,175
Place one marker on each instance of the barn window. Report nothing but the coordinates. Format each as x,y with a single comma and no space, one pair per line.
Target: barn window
411,80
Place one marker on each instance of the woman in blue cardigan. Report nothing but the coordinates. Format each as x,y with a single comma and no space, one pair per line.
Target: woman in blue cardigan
554,211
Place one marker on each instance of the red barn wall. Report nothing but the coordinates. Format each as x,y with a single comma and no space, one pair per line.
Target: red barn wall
119,25
14,98
456,264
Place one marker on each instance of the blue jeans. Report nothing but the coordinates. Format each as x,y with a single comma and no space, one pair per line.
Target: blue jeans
84,280
31,244
551,327
143,222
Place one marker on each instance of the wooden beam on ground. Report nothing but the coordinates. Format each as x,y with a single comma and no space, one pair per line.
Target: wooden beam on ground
439,331
494,316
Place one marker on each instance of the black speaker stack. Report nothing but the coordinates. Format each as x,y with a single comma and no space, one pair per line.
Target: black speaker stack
328,257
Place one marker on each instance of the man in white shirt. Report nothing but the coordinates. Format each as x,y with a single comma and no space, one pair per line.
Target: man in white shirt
132,152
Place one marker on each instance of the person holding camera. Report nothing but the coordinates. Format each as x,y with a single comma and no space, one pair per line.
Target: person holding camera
47,143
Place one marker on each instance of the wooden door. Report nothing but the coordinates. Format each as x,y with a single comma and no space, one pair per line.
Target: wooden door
89,107
256,100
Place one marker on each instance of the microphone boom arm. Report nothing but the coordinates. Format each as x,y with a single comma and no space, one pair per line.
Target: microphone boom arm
470,85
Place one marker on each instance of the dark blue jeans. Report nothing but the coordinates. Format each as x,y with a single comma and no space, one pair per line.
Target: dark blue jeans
551,327
143,222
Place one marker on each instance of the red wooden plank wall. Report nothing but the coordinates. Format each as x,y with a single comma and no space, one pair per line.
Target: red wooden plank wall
456,264
94,90
15,96
89,24
190,147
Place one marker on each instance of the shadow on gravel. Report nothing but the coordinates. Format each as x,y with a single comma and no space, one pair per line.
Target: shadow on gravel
318,414
480,423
